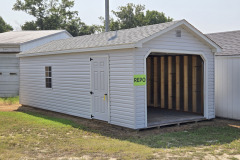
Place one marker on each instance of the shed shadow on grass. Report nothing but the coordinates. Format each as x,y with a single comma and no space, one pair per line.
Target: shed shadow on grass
192,135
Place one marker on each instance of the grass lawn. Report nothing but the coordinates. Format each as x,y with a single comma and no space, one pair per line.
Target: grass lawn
9,100
27,135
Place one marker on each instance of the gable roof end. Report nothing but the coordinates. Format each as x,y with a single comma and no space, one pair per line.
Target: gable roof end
215,47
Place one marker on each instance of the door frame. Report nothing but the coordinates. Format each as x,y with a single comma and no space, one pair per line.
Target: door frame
205,76
108,97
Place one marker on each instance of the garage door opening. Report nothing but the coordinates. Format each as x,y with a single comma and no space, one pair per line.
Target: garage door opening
174,89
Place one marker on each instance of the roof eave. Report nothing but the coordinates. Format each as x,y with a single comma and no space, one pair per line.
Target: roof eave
9,44
9,48
115,47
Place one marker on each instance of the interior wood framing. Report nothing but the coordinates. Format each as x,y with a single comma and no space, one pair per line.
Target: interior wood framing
175,82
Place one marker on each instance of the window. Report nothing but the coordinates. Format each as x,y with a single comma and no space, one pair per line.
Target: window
13,74
48,76
0,73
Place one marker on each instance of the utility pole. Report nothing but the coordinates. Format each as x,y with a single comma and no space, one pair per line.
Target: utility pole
106,15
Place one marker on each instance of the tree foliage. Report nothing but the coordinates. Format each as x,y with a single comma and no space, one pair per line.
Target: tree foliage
53,14
132,15
4,27
57,14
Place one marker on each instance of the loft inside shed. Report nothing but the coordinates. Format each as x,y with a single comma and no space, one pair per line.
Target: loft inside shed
137,78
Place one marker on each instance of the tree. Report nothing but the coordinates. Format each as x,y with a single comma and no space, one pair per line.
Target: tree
132,15
29,26
155,17
52,14
4,27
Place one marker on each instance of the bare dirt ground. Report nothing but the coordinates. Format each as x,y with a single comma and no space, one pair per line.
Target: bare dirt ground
9,107
108,129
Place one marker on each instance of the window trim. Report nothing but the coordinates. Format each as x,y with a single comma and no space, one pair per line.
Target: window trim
48,76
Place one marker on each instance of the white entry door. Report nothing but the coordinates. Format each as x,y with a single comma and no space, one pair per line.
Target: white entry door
99,85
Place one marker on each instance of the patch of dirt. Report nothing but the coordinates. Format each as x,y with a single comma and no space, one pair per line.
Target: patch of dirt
13,107
105,128
85,157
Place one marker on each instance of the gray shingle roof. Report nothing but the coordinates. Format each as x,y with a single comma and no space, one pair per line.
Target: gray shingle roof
19,37
113,38
229,41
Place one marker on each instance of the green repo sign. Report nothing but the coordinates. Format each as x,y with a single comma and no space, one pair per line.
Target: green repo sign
139,80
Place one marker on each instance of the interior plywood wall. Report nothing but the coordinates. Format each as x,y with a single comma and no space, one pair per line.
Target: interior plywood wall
175,82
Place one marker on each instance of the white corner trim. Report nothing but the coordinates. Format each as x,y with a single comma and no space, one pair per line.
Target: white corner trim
205,85
78,50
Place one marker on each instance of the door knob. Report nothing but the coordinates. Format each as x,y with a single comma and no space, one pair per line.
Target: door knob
104,97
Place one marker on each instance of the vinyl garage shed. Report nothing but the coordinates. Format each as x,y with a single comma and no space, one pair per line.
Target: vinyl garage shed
227,73
136,78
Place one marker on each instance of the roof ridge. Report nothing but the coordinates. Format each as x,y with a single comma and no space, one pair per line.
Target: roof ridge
36,30
149,25
130,28
222,32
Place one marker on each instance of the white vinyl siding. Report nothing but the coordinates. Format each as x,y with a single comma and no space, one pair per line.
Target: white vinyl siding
9,79
71,84
187,42
227,86
122,105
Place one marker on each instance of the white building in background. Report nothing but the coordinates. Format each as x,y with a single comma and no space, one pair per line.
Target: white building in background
12,43
227,73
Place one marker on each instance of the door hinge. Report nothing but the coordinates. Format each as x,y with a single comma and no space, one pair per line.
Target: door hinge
91,59
91,92
92,116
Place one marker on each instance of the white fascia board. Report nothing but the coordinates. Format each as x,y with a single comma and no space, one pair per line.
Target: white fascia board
9,48
214,46
79,50
9,45
67,33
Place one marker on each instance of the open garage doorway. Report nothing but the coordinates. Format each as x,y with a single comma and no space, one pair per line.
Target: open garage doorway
174,89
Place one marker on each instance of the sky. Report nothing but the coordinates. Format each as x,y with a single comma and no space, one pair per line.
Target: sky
206,15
